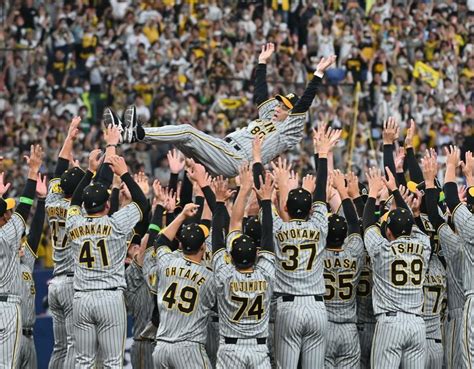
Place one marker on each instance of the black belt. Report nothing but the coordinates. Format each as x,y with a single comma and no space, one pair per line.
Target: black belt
231,141
4,298
437,340
27,332
66,274
144,340
102,289
394,313
233,341
286,298
215,319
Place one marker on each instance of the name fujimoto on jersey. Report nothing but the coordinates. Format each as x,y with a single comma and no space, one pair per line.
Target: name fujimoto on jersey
298,233
250,286
186,274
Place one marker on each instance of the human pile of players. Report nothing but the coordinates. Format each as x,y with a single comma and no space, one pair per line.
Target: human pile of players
259,271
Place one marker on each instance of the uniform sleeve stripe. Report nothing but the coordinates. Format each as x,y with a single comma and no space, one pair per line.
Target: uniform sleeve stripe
19,216
140,210
265,102
266,252
31,251
377,229
456,208
217,252
441,226
296,114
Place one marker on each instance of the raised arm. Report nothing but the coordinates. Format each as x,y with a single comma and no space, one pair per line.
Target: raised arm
37,223
347,205
416,174
260,94
391,184
374,179
220,214
66,151
430,169
172,229
94,157
453,158
391,131
264,193
240,202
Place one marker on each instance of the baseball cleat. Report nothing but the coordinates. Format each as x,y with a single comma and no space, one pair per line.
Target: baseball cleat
129,133
111,118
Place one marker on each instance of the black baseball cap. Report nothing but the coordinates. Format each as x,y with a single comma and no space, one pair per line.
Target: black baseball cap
253,229
192,236
337,230
400,222
5,205
288,100
243,251
95,197
470,199
299,203
70,179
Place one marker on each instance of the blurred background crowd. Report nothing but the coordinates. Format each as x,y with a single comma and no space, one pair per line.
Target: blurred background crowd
189,61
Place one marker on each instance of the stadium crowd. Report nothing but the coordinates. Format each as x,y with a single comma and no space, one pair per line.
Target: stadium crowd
193,62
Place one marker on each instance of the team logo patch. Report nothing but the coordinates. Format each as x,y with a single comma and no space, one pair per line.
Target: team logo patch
56,188
227,258
152,279
75,210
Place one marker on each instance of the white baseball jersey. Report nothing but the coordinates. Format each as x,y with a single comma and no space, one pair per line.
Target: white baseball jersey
341,273
365,309
434,288
464,222
399,268
243,297
185,295
299,244
28,291
100,246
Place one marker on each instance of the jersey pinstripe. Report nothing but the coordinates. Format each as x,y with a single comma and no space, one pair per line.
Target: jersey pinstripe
365,309
185,296
28,291
138,299
243,298
100,247
464,222
341,273
267,109
56,209
299,244
434,290
10,238
399,270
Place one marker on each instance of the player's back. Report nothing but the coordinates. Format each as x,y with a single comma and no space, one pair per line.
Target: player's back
186,294
399,269
365,309
341,273
464,222
299,244
244,297
10,236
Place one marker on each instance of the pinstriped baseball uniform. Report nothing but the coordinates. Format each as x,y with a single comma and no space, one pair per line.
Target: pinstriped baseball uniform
452,248
299,275
244,309
365,311
464,223
399,269
341,273
185,296
61,289
100,318
139,302
224,156
434,289
10,287
27,358
149,270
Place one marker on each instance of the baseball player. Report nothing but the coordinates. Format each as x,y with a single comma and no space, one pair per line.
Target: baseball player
464,223
299,272
281,121
12,226
244,279
99,247
452,249
343,260
61,289
185,295
27,357
399,266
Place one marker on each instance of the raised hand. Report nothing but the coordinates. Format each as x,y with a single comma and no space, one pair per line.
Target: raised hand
468,168
410,134
34,160
309,183
94,160
391,131
223,193
112,135
4,187
325,63
400,159
266,188
190,210
246,178
266,53
462,192
119,166
41,186
175,161
453,156
389,182
327,139
73,130
293,180
374,179
171,199
352,185
198,175
429,165
339,183
257,149
281,169
142,181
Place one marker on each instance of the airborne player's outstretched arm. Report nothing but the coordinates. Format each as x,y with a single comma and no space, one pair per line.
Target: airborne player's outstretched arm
260,94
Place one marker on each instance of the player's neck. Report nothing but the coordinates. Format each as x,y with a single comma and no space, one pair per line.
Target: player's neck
194,258
247,270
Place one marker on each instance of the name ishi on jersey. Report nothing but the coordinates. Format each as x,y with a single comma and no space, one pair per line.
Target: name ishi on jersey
185,273
407,248
298,233
57,212
90,230
340,263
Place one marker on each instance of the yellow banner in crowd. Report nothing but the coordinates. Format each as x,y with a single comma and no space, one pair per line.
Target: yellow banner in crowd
426,73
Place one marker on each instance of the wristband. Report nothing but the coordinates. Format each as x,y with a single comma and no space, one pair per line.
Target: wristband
377,212
154,227
26,200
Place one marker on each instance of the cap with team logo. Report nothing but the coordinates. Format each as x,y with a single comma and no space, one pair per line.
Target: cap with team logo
243,251
192,236
470,199
400,222
337,230
289,100
253,228
95,197
70,179
5,205
299,203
